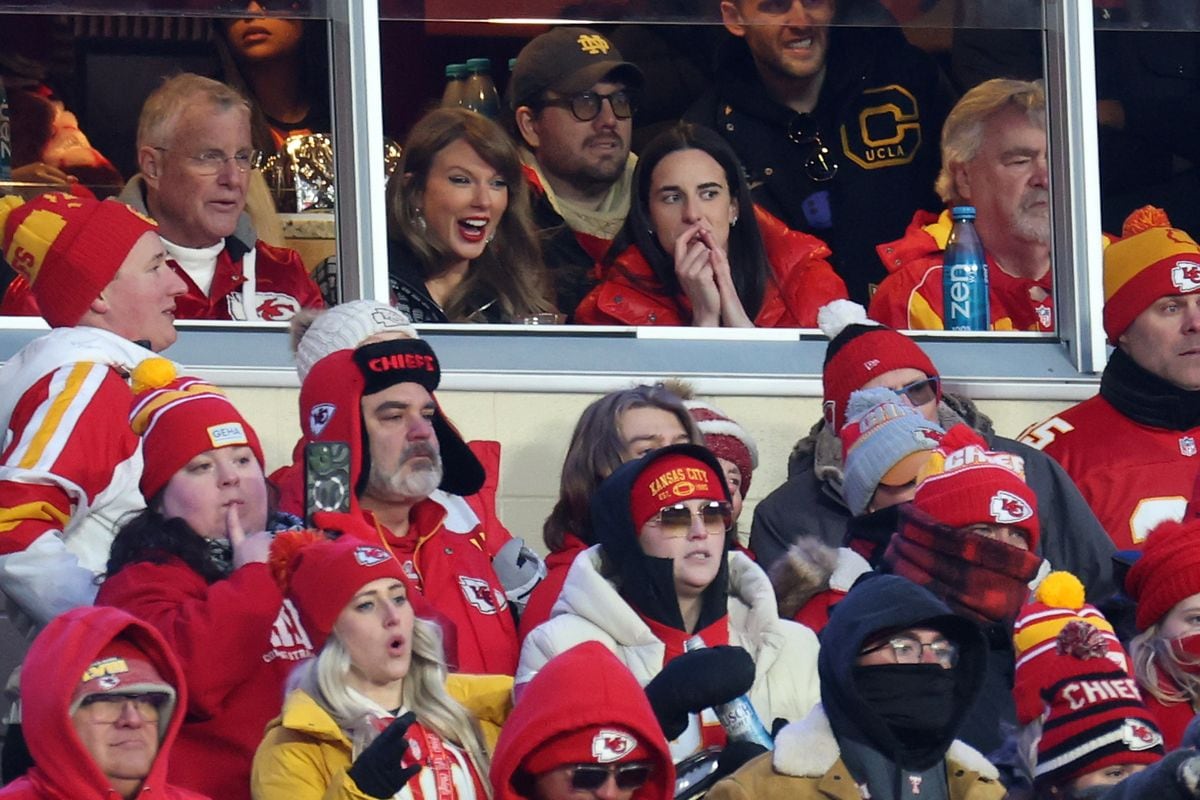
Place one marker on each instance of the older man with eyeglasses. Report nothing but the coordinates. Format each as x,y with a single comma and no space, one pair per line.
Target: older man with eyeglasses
811,509
103,711
836,125
899,673
196,160
573,98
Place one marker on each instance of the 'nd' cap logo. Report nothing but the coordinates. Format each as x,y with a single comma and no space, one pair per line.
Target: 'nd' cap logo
593,44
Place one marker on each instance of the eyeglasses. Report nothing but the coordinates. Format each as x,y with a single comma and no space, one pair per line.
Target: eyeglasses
210,162
108,708
920,392
585,106
908,650
675,521
819,166
590,777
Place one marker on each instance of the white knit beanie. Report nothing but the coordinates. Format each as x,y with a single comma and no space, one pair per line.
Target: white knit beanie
344,327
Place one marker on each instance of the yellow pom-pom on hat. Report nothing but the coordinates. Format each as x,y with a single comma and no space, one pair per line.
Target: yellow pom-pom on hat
1061,589
152,373
1150,261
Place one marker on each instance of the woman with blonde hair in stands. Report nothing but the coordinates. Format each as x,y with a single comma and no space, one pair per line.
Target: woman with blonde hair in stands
1165,583
462,246
370,715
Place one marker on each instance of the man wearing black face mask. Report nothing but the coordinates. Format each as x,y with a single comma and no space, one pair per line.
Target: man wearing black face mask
898,673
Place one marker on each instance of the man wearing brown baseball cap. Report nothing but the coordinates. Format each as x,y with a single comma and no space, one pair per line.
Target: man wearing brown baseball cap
573,97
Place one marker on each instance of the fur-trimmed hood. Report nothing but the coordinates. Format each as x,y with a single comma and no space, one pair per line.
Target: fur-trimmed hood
809,567
808,749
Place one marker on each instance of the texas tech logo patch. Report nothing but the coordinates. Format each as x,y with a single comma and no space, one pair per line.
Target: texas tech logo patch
480,594
1007,509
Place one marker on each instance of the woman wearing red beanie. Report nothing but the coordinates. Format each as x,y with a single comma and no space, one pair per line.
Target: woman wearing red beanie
1165,583
193,565
371,715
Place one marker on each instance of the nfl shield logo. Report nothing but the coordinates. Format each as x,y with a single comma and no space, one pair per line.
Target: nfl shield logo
1187,446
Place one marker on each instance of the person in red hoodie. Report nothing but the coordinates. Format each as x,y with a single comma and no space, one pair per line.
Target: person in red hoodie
378,398
583,728
103,713
695,250
193,565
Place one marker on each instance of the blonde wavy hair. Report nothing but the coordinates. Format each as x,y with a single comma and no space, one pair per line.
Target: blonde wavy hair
424,693
1153,661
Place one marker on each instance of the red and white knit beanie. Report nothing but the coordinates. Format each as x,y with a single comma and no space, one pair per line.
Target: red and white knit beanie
726,439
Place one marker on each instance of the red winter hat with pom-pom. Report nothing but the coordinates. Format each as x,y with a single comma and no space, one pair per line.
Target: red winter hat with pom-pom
321,575
1167,572
1149,261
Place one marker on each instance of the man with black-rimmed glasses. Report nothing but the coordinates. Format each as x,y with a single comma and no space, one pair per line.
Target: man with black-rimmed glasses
899,672
196,159
573,98
837,126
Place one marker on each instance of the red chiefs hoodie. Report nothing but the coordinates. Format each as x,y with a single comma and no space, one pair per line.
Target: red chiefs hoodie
51,671
583,686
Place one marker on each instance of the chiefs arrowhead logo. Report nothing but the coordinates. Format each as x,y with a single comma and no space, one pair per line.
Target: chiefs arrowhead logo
609,745
1186,276
369,556
319,416
1007,509
1138,735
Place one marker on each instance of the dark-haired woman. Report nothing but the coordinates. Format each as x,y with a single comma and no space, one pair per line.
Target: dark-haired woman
193,565
696,251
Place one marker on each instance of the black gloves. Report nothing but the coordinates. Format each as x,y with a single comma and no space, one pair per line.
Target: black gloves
694,681
377,770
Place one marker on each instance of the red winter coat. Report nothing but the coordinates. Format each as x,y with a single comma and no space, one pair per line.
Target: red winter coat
801,282
910,298
445,551
51,671
584,687
237,642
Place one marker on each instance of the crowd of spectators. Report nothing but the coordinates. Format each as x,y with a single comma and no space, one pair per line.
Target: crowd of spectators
922,609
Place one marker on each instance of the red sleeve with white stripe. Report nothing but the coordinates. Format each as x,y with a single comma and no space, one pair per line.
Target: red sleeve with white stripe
70,429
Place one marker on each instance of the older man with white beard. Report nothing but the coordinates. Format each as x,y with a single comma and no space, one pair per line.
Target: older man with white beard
993,158
379,399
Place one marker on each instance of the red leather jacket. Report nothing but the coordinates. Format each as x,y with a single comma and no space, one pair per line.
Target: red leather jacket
801,282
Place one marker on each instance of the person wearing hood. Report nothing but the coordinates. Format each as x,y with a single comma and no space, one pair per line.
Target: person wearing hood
585,725
899,672
662,574
378,398
104,712
812,502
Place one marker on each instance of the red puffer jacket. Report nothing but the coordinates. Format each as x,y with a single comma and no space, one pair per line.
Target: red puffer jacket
802,281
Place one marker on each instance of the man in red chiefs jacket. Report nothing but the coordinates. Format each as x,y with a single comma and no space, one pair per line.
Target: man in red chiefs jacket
993,158
1132,449
194,153
379,399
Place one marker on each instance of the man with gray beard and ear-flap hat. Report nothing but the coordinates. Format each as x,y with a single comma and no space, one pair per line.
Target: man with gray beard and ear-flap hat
379,399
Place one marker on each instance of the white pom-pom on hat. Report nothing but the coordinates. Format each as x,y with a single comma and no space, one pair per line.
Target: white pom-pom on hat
834,317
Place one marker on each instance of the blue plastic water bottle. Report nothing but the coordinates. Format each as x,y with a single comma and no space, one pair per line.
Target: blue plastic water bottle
738,717
479,92
965,275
